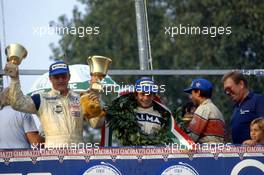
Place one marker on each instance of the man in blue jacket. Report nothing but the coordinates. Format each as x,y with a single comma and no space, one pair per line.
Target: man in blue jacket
248,105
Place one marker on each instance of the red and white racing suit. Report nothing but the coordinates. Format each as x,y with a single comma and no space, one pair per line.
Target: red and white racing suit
207,125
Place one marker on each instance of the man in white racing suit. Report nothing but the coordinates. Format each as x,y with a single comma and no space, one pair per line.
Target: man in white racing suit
58,110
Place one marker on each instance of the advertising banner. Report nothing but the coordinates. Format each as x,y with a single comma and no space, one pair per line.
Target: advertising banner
133,161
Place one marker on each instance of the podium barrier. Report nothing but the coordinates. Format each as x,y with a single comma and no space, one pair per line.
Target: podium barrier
231,160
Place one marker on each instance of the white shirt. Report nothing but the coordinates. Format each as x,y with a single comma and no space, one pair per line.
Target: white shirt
150,120
14,126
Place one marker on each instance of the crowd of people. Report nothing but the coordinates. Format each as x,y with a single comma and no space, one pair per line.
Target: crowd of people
136,118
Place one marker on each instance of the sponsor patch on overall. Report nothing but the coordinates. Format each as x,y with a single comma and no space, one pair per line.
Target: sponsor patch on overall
58,109
75,106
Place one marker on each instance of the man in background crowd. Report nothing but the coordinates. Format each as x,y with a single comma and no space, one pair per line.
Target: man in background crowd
207,125
18,130
248,105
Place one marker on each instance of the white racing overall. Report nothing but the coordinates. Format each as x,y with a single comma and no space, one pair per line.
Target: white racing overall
59,115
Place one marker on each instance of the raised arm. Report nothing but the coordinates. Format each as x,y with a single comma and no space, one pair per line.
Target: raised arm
18,100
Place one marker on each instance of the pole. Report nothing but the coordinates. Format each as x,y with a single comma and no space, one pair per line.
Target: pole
4,42
1,76
142,33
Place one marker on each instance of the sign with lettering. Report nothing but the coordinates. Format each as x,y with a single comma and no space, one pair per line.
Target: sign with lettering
134,161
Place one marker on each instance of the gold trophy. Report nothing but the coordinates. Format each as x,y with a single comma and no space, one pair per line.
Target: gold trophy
98,69
15,54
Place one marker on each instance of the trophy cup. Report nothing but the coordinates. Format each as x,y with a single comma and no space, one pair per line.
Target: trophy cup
15,54
98,69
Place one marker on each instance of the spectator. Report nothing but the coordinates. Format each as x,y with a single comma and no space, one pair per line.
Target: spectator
18,130
207,125
248,105
256,132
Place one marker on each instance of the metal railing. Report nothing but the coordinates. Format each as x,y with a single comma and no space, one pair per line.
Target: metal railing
164,72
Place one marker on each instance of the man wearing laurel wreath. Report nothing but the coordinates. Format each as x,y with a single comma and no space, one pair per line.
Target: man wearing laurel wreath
139,118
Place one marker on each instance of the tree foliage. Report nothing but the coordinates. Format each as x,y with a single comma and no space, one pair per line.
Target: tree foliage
242,49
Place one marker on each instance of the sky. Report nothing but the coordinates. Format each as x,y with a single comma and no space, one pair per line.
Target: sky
22,21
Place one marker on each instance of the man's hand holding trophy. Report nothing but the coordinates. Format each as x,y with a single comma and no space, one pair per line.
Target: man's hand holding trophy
90,102
15,54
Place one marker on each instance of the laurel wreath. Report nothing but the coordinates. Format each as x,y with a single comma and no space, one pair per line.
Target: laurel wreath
126,129
177,114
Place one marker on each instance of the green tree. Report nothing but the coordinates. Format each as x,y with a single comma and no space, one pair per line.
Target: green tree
242,49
